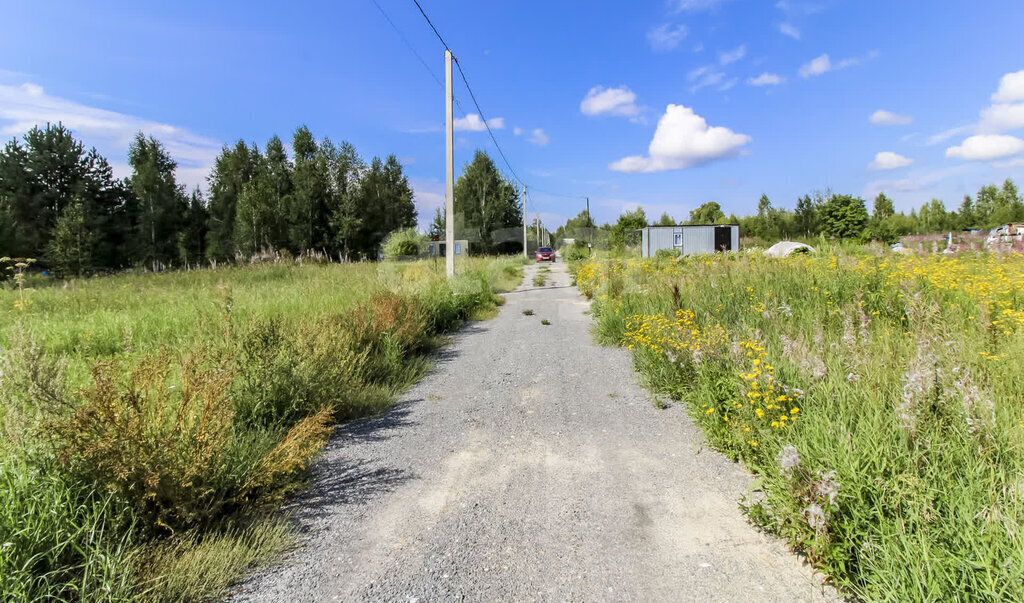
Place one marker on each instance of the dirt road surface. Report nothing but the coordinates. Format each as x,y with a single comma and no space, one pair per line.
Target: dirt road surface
530,465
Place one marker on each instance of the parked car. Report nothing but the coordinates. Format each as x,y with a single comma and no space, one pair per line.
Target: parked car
545,254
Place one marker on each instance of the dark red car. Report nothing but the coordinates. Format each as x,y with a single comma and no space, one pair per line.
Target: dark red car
545,254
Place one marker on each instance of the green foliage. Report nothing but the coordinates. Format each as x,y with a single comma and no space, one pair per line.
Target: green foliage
488,203
667,254
844,217
577,252
44,175
200,567
403,243
141,436
899,480
161,202
666,220
708,213
70,249
628,221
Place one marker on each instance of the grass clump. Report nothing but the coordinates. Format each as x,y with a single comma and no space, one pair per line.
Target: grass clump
545,321
876,396
528,312
149,422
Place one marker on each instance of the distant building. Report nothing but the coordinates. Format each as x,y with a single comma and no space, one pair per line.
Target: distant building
690,240
437,248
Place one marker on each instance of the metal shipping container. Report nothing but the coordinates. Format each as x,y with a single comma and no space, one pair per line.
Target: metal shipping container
690,240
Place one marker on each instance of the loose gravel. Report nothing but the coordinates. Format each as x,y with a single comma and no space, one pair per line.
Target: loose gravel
529,465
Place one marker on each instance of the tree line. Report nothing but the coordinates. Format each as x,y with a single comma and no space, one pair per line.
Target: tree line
824,214
60,203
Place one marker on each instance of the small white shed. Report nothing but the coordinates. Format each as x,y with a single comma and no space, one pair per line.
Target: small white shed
690,239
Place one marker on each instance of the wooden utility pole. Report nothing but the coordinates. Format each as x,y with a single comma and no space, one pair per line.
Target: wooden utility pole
449,170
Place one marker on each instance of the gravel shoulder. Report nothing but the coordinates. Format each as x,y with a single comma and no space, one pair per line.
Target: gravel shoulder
529,465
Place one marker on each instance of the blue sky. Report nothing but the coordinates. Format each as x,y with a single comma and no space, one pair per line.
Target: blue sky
666,104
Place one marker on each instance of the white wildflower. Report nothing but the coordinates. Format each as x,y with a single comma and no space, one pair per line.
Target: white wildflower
789,459
815,517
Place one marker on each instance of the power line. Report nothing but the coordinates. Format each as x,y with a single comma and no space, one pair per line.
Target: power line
480,112
412,49
436,33
408,44
465,80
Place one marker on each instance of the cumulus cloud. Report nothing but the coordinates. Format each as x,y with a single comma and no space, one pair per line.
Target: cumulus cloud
539,137
27,105
887,160
473,123
888,118
516,131
824,64
788,29
733,55
986,147
683,139
1002,117
766,79
1011,88
610,101
666,37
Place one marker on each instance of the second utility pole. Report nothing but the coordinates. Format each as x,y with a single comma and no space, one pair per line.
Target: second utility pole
524,222
449,171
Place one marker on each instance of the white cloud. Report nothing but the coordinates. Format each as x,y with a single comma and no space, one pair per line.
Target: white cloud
733,55
705,76
824,64
516,131
766,79
986,147
1013,163
1002,117
428,195
666,37
947,134
539,138
1011,88
887,160
683,139
803,8
473,123
28,105
922,182
888,118
817,66
788,29
694,5
610,101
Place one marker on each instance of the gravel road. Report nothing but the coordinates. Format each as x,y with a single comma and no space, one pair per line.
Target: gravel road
529,465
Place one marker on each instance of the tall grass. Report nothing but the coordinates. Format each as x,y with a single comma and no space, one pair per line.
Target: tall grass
151,422
878,398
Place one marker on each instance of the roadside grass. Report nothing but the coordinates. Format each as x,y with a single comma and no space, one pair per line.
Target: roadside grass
538,280
545,322
528,312
876,396
152,423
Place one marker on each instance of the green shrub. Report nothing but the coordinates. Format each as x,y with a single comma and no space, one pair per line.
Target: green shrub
666,254
577,252
402,244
